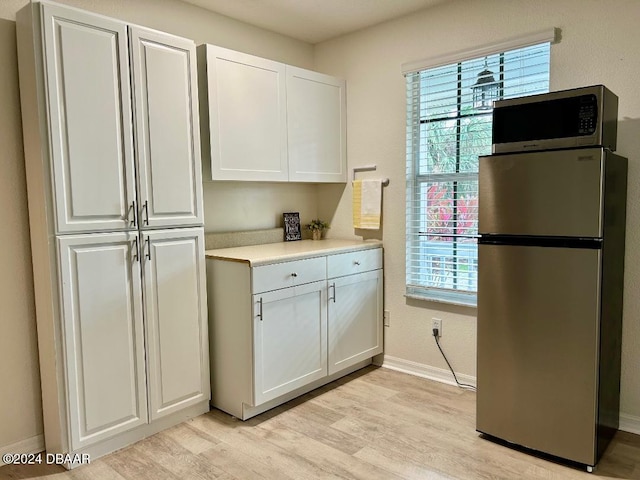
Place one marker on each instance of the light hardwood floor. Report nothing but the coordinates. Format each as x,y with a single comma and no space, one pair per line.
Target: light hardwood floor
373,424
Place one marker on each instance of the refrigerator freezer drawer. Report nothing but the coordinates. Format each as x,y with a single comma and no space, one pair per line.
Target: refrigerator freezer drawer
538,321
555,193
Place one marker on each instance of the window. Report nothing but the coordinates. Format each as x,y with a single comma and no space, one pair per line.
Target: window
446,133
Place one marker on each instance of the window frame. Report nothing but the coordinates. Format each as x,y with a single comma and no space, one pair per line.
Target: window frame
416,179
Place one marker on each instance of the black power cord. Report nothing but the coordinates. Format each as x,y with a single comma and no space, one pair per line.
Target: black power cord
461,385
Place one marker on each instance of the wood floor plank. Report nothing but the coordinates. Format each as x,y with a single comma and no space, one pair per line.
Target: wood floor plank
132,464
251,442
190,438
176,459
299,421
98,470
372,424
400,464
241,465
325,458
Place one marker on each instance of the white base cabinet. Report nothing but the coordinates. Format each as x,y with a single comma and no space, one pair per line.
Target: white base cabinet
107,324
354,319
175,308
285,325
290,339
103,335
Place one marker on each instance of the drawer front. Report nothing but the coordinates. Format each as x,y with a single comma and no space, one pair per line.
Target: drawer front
354,262
288,274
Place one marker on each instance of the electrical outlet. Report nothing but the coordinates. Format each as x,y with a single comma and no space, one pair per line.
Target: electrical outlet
436,323
387,318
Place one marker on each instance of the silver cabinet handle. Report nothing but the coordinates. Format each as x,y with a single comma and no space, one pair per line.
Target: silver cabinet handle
147,241
146,212
135,214
260,308
136,250
333,285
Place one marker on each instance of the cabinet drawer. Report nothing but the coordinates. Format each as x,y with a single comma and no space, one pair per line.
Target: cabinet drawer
288,274
354,262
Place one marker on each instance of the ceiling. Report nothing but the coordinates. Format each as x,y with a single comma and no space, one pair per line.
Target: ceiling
314,21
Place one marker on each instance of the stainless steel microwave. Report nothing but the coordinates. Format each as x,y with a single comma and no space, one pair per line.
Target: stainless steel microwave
579,117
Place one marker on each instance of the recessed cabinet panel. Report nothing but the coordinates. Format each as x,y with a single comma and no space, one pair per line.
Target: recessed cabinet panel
290,341
355,323
175,299
167,131
87,79
316,127
247,116
102,318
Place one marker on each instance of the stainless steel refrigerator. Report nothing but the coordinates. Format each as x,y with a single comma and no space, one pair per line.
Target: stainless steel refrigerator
551,260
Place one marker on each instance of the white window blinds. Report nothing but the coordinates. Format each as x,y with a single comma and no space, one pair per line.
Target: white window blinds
446,133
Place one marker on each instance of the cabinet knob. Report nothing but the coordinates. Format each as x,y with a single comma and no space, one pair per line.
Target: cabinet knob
294,274
356,262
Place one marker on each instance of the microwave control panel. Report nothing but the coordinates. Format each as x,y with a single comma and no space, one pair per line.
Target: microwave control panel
587,114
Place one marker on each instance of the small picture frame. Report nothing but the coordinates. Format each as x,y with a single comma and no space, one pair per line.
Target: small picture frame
292,226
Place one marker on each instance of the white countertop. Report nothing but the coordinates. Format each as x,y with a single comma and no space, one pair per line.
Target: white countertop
286,251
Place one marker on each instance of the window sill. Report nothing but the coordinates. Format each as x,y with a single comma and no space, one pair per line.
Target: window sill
449,298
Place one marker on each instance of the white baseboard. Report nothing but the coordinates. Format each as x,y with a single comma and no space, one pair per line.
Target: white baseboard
426,371
628,423
29,445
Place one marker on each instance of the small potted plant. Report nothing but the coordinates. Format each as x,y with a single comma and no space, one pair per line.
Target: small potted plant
317,228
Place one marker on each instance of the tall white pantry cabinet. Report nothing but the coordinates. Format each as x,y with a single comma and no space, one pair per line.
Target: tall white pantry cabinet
112,149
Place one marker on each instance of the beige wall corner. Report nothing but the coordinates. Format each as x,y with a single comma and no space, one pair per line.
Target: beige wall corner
20,401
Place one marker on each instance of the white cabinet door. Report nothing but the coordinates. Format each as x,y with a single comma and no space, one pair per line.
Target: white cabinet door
87,82
290,341
176,319
316,127
103,335
167,129
247,138
355,319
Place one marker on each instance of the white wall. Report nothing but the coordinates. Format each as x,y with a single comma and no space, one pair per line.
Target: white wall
598,45
227,205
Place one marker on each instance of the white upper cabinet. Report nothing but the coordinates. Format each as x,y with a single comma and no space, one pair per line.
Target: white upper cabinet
316,127
246,107
166,129
87,82
267,121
